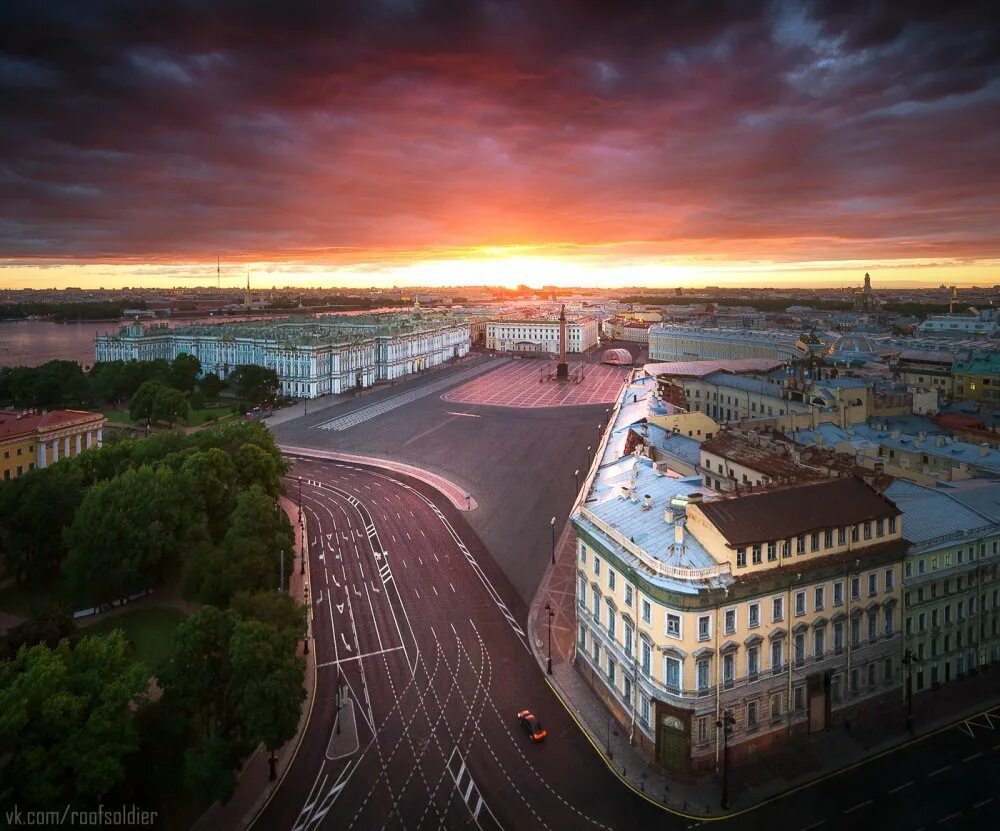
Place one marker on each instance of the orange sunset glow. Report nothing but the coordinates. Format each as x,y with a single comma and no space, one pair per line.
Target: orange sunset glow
493,142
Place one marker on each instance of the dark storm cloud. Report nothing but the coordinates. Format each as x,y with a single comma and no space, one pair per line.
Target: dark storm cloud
151,129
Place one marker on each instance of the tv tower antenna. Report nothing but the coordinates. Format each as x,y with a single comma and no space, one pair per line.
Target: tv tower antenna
218,271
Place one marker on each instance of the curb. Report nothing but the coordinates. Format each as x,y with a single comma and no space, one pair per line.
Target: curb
461,499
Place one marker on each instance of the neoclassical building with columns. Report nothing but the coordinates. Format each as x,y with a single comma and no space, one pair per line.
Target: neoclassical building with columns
30,439
780,608
311,356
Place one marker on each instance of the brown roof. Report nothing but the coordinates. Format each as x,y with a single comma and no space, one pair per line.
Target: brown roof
804,565
787,512
22,423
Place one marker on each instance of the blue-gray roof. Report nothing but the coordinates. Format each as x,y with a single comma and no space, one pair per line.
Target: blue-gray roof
939,516
674,444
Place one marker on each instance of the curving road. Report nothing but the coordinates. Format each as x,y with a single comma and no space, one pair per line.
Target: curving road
420,631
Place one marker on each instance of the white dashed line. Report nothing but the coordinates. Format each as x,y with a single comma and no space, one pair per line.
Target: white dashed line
936,772
898,788
859,806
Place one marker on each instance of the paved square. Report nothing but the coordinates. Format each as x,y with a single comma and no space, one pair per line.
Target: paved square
520,384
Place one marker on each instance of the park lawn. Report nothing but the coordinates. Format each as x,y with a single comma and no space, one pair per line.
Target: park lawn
151,629
195,418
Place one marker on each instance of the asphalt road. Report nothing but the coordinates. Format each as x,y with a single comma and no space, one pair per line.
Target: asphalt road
427,639
518,463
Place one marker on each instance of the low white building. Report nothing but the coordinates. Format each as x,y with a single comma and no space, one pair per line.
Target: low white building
540,335
982,325
312,356
669,342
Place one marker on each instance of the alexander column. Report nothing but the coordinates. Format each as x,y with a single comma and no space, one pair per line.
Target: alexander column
562,368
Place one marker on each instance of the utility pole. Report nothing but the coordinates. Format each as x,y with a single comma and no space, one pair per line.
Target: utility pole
281,578
725,723
300,500
550,614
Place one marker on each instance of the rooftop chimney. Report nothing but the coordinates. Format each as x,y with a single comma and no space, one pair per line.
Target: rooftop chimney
647,502
668,514
679,534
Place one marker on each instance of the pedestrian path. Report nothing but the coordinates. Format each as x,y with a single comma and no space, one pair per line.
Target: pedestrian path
364,414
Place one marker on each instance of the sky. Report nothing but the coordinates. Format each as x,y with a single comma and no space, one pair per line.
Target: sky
588,143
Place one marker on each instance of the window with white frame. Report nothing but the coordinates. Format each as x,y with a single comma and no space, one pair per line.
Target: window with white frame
855,588
753,661
628,595
756,554
596,610
647,611
611,620
838,593
887,619
800,602
582,636
889,579
583,553
729,619
800,649
646,653
644,710
612,578
628,636
704,627
819,642
872,584
741,557
777,609
612,666
597,565
673,625
581,594
728,668
819,598
751,715
753,615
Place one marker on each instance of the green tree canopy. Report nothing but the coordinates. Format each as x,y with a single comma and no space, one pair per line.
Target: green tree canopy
66,720
156,401
184,372
129,531
211,385
257,385
34,509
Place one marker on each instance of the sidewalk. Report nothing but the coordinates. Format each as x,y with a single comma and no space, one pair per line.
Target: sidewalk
253,789
804,759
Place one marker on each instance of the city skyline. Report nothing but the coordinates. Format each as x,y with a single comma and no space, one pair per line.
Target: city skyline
500,143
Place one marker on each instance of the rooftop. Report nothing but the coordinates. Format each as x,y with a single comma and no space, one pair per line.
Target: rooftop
699,369
941,514
17,423
788,512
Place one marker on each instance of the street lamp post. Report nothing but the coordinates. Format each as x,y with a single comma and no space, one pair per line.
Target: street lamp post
550,614
726,723
272,769
909,659
576,478
588,455
281,576
552,525
300,500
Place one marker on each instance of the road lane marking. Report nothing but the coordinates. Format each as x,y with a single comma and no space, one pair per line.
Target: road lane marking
898,788
973,756
859,806
359,657
936,772
453,589
435,591
814,825
950,816
983,802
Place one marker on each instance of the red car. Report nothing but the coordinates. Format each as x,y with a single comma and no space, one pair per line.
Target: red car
530,723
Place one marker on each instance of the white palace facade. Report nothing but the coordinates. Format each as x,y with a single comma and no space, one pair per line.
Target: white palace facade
311,356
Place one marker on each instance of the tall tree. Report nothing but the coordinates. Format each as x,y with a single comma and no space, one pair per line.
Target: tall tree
257,385
211,475
34,510
66,721
211,385
128,532
184,372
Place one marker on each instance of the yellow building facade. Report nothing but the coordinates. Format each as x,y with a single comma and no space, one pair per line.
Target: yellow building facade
30,440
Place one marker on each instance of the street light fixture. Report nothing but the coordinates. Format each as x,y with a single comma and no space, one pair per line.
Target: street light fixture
909,659
552,525
576,478
726,723
588,455
551,614
300,500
